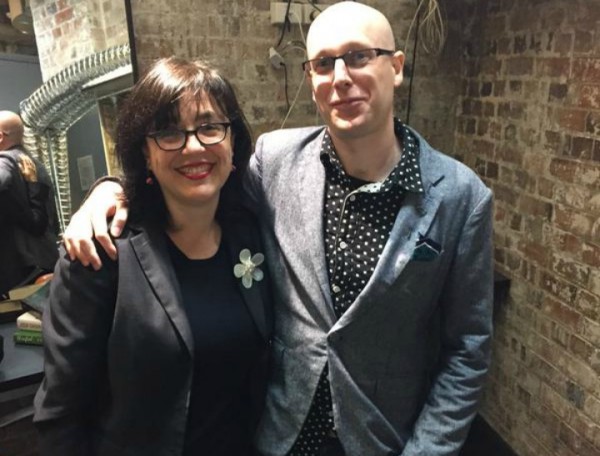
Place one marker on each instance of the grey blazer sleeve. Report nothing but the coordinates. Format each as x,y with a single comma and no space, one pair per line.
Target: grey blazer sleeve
76,326
466,324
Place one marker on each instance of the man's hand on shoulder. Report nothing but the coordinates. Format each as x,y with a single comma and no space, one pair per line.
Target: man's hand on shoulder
91,221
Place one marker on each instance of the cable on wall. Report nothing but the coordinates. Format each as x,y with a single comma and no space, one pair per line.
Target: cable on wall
430,29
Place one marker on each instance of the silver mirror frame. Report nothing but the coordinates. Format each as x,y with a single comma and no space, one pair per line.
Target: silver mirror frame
60,102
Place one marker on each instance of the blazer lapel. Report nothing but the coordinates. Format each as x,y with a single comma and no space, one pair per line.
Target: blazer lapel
253,298
151,251
414,218
311,188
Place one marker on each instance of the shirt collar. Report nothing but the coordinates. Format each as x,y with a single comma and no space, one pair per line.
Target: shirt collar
406,175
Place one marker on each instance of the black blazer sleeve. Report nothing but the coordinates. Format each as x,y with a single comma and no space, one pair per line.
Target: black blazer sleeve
76,326
21,202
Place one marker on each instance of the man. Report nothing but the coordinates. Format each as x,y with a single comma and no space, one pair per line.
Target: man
28,233
380,248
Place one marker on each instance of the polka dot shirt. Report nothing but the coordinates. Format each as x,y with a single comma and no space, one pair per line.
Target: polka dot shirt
358,217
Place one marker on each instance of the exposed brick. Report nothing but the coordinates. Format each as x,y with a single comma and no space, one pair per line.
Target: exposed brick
553,67
499,88
589,96
580,348
586,70
570,119
591,254
535,252
565,170
581,148
533,206
486,89
592,124
63,16
509,154
588,305
519,66
552,17
583,42
572,271
563,43
522,20
515,86
564,291
572,221
575,442
520,44
545,188
482,127
490,66
557,92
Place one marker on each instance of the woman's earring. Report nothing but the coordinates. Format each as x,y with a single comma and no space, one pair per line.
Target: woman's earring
149,178
233,168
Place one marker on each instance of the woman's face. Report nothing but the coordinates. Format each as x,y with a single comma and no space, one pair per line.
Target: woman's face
194,174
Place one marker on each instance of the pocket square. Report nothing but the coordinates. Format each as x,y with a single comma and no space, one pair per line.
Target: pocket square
426,249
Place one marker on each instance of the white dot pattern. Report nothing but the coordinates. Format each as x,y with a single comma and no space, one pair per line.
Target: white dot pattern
358,218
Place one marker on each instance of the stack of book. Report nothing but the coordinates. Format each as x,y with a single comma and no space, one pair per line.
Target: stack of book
29,328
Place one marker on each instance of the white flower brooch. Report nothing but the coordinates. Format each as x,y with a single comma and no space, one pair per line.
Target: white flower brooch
248,269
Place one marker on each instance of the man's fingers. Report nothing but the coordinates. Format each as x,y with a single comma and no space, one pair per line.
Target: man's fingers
100,229
119,220
88,254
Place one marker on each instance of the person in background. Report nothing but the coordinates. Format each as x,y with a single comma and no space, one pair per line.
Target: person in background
383,252
164,351
29,229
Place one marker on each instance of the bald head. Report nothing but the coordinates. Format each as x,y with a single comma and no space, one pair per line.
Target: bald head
11,130
347,23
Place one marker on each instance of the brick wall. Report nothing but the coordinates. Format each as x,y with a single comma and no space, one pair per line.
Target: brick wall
236,37
69,30
516,95
529,123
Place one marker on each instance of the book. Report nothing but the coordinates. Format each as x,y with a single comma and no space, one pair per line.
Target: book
9,310
31,320
17,294
37,299
27,337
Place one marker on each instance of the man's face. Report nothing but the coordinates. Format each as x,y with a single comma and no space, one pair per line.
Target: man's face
354,102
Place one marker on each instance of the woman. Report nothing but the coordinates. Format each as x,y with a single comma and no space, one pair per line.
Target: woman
164,352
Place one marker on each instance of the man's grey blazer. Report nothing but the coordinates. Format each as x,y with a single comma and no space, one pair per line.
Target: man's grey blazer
408,359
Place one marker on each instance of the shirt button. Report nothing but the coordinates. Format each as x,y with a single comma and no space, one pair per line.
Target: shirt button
343,245
352,197
336,289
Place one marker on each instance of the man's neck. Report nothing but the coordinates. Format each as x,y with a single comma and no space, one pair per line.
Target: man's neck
370,158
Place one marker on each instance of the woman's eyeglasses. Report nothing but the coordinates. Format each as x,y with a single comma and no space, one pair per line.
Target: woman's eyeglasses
208,134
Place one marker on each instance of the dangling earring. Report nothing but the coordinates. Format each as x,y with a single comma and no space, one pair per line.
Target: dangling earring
233,168
149,178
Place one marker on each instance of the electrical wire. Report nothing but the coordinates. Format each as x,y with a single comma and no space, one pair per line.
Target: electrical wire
285,85
286,23
413,69
430,27
433,27
299,26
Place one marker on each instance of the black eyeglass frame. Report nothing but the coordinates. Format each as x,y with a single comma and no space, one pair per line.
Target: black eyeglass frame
155,134
306,65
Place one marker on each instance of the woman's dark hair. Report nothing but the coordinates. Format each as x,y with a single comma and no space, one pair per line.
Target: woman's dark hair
153,104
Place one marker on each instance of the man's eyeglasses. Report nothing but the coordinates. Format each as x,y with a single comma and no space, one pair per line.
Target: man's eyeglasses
207,134
352,59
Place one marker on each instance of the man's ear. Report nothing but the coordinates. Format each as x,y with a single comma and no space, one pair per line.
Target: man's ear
398,65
